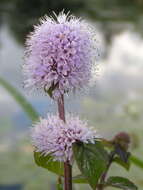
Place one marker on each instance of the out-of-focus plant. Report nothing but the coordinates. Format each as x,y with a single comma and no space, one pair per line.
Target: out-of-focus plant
20,99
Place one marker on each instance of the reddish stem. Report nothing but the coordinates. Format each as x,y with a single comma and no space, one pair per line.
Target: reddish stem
67,166
61,108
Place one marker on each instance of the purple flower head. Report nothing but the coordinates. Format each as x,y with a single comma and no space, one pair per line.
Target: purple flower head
53,136
59,55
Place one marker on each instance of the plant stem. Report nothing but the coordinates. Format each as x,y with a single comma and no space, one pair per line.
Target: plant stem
103,177
67,166
61,108
67,176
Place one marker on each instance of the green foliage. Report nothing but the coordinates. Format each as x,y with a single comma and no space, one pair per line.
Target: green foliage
136,161
79,179
59,186
51,89
122,183
120,162
20,99
48,163
92,161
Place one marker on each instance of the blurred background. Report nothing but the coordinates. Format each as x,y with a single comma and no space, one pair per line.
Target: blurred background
112,104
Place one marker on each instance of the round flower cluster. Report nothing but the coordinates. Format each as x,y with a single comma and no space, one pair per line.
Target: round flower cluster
59,55
53,136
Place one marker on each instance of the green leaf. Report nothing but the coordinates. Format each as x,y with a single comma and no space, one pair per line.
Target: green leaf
20,99
51,89
107,143
48,163
136,161
92,161
120,162
122,183
59,186
79,179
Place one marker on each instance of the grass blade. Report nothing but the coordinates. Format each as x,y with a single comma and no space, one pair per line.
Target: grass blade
20,99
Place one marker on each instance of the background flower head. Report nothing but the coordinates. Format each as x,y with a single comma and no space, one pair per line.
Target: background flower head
53,136
60,54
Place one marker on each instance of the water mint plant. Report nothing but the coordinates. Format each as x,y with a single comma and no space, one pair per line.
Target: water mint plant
55,137
60,54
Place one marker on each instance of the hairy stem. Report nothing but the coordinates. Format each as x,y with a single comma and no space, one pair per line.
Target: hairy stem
67,166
